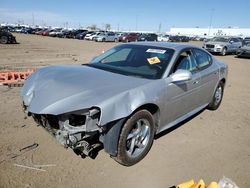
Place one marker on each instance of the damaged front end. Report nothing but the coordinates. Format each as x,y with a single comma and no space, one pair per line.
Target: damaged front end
77,130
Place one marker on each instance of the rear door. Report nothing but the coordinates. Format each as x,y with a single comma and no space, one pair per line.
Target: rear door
209,73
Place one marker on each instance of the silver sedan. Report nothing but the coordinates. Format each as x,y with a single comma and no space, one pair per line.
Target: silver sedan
124,97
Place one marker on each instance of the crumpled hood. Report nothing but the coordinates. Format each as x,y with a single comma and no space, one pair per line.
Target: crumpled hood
60,89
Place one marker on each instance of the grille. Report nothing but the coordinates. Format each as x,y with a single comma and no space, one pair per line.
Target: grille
210,46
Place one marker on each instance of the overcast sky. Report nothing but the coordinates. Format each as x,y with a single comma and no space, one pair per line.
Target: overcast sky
129,14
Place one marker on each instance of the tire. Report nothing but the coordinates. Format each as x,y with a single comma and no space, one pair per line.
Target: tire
217,97
4,40
224,51
136,138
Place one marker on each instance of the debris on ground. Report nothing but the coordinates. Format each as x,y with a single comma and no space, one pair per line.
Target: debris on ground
22,151
30,147
36,167
28,167
14,79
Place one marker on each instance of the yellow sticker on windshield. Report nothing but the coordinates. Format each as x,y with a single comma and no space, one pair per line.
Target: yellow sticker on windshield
153,60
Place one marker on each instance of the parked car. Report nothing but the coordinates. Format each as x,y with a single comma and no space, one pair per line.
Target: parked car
78,31
125,96
223,45
178,38
46,32
95,35
91,35
120,36
62,33
106,37
6,37
55,32
244,51
72,33
30,30
147,37
163,38
246,41
36,30
130,37
18,29
83,34
40,32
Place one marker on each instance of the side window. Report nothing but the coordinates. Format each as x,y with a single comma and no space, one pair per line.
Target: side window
186,61
202,58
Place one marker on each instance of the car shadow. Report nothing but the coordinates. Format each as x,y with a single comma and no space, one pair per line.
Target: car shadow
169,130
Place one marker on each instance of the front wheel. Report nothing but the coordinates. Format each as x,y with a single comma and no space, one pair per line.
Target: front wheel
4,40
224,51
217,98
136,138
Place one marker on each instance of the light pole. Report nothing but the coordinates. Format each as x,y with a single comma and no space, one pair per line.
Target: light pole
211,20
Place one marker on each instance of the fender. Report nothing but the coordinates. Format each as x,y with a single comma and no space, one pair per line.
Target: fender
110,138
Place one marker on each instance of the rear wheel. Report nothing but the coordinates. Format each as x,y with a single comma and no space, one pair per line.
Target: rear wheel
4,40
136,138
217,98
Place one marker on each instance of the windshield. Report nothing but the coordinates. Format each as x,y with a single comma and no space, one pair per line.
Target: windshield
220,39
134,60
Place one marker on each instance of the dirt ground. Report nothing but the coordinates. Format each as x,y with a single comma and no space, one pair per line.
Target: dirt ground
211,145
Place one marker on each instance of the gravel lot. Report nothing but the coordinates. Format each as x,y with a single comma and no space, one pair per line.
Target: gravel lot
212,144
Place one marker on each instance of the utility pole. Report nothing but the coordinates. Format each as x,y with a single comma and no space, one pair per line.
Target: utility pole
33,20
211,20
136,22
159,29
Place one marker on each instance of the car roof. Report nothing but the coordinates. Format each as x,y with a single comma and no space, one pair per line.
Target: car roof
175,46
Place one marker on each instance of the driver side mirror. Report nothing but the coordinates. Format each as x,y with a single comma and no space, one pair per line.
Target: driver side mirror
180,76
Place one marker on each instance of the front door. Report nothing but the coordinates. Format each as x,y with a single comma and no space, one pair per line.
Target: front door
182,97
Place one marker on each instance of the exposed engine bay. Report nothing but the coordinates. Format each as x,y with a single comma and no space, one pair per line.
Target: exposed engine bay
78,130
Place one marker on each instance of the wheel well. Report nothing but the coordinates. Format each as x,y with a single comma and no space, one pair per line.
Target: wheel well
154,110
223,80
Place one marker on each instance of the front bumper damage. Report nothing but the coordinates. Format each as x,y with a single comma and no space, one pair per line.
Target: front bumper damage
78,130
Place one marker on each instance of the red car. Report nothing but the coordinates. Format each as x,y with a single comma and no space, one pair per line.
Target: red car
46,32
130,37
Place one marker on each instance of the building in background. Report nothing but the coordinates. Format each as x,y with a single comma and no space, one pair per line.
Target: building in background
210,32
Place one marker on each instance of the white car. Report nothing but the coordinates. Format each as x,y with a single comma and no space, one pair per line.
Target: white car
88,35
163,38
110,36
96,34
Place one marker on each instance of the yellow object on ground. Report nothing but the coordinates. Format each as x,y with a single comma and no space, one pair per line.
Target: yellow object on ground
196,185
186,184
199,184
213,185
